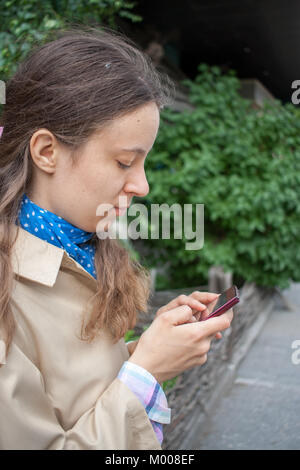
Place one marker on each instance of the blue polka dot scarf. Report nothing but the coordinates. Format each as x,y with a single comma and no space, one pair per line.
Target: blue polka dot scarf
57,231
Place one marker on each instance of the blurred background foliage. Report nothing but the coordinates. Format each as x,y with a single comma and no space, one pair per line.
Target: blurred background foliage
26,22
242,163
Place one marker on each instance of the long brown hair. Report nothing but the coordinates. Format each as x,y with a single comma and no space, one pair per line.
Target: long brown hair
73,85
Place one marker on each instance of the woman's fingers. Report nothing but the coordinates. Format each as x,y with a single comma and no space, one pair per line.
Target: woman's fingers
215,325
192,302
204,297
197,301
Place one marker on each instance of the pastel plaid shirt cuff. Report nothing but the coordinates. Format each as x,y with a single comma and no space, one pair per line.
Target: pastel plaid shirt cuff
150,394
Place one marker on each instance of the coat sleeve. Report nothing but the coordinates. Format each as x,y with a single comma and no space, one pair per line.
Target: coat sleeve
117,421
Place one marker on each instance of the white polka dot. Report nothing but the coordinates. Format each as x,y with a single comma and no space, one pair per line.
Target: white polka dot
88,265
68,244
33,213
72,230
36,229
58,237
59,225
52,238
40,217
61,231
42,226
26,225
51,224
28,216
26,200
41,211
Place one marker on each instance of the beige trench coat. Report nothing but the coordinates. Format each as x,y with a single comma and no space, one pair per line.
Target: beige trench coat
56,391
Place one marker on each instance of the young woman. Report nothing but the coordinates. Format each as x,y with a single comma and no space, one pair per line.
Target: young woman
81,115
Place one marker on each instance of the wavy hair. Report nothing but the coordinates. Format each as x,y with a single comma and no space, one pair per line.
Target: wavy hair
64,86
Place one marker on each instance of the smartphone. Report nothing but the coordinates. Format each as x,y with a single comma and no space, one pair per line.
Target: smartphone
224,302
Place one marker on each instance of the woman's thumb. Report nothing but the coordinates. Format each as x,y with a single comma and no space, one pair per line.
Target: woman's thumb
180,315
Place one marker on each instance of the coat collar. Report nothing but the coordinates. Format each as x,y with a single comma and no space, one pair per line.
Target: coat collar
37,260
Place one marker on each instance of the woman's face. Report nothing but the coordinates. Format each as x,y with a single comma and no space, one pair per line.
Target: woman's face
100,175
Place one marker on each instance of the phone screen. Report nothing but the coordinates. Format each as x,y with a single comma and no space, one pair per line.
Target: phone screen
223,299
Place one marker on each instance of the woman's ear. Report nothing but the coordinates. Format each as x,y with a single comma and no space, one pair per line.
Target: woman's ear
44,150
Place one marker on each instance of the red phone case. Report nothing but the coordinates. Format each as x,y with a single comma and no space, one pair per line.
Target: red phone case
234,299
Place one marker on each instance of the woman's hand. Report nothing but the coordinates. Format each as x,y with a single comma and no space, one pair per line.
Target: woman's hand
197,301
175,342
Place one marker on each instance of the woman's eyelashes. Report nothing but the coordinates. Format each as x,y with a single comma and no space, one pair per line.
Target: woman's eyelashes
123,166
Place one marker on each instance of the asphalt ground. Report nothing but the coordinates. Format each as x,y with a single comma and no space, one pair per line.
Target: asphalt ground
262,408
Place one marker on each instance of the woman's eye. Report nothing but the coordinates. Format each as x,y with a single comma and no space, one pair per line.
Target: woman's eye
122,165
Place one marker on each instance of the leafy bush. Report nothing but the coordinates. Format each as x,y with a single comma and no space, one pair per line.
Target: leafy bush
26,22
243,164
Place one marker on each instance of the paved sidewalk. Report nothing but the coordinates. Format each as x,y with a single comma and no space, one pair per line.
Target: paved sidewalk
262,409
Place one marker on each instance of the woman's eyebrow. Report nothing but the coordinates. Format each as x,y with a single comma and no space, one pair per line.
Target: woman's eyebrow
138,150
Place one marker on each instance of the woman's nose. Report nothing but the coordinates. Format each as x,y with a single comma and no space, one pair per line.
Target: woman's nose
138,184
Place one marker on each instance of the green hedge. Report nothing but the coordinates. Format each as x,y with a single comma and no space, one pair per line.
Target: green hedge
26,22
243,164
